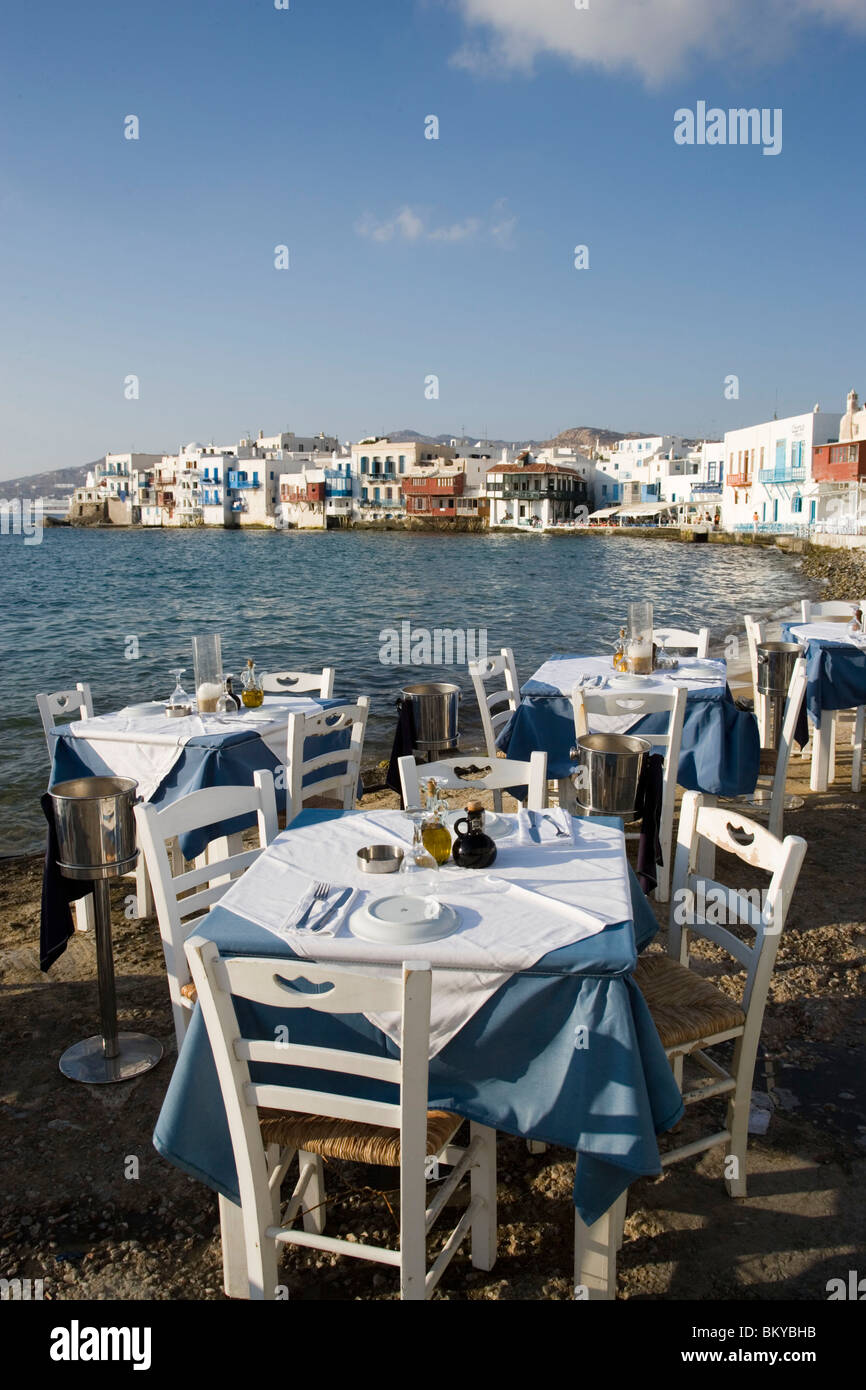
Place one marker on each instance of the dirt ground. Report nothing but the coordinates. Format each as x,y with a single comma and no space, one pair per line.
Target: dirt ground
92,1210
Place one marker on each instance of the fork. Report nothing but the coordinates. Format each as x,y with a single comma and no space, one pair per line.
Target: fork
560,832
320,890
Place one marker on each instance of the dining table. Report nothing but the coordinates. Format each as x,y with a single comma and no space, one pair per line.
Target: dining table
537,1027
170,757
720,749
835,680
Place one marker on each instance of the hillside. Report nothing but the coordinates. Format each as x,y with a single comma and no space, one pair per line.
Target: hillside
56,482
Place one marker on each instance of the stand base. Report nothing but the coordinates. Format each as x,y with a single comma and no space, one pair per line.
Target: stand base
86,1061
761,801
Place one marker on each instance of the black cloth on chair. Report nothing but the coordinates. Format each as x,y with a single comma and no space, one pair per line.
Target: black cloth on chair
58,893
648,808
404,746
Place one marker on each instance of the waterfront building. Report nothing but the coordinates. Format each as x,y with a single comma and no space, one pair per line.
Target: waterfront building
534,495
108,493
316,494
839,476
768,473
448,489
378,468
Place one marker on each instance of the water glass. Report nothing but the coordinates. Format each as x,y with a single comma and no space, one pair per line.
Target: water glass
207,656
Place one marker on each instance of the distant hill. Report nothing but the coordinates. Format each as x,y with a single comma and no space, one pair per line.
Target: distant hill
581,437
55,483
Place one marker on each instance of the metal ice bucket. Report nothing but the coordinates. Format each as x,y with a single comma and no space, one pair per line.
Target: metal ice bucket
434,712
775,668
608,771
95,826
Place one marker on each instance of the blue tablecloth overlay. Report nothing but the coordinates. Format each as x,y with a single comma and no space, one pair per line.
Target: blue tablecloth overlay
835,674
211,760
720,751
515,1065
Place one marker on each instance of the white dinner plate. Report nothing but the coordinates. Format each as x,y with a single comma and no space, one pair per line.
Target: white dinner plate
630,681
494,824
400,921
151,707
699,667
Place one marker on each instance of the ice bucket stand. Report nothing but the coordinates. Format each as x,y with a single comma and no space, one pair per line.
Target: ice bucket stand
95,821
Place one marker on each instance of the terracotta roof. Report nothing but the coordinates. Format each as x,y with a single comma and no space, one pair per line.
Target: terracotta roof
533,468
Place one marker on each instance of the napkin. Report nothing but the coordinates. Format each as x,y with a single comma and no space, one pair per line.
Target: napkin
583,915
324,905
545,832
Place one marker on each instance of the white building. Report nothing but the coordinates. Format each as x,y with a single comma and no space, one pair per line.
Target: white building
768,472
379,467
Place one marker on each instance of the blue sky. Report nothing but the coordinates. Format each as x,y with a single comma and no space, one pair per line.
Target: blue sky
408,256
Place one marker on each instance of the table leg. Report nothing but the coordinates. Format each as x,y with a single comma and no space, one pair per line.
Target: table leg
821,739
705,866
595,1250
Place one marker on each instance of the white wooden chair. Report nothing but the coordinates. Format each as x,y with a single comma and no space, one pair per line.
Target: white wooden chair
300,683
839,608
679,639
484,670
636,705
835,608
69,705
340,785
774,763
75,703
401,1134
757,632
473,772
689,1012
183,896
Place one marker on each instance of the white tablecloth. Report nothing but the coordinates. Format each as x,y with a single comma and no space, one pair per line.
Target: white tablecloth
561,673
534,899
146,747
828,632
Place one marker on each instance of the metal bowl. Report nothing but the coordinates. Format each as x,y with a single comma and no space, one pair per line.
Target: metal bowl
380,859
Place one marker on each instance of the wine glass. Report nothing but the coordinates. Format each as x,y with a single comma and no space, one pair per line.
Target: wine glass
178,697
419,870
661,654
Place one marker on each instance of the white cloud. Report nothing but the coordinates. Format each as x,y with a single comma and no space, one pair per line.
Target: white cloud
655,38
409,224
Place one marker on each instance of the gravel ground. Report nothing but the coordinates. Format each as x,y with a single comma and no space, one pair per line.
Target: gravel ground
91,1209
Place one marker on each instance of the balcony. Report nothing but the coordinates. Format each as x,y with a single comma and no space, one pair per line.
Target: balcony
707,489
791,473
739,480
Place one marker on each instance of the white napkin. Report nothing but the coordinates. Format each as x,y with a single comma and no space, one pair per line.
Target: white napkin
536,820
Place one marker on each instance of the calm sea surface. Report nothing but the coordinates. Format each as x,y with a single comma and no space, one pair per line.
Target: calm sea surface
296,601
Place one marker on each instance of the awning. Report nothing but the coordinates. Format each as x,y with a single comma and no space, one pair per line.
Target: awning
648,508
605,511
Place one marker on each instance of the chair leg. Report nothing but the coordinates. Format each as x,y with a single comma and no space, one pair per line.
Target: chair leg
677,1068
143,894
235,1278
819,779
857,739
621,1211
482,1179
737,1121
536,1146
413,1234
834,726
595,1250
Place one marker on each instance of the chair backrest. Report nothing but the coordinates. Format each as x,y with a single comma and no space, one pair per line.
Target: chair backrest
755,632
342,727
833,608
270,982
183,898
300,682
473,772
698,903
680,639
793,704
504,700
75,703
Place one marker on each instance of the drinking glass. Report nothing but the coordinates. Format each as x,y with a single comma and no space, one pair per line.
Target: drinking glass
640,637
207,655
178,696
419,870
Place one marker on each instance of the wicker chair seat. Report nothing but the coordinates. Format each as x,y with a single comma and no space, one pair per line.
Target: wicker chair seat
685,1008
350,1139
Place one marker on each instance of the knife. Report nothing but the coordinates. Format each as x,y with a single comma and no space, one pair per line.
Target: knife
534,833
329,911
